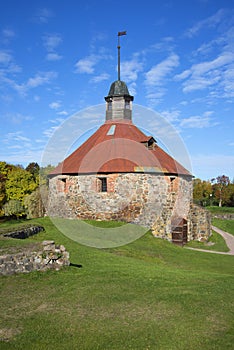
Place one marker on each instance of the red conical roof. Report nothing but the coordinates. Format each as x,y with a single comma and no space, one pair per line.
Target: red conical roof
119,147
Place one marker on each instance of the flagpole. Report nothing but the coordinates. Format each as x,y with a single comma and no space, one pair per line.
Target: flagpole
118,47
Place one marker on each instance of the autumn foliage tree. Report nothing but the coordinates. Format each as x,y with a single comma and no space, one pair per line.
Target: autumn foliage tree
23,191
218,191
221,189
34,169
202,191
19,183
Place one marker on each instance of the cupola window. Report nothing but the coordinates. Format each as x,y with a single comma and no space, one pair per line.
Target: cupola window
127,104
109,106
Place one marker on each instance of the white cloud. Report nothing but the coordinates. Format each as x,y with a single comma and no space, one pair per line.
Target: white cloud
129,70
185,74
157,74
197,121
17,118
15,136
228,82
63,113
100,78
156,96
87,64
157,77
22,155
8,33
214,73
52,56
57,120
5,58
170,115
52,41
50,131
55,105
41,78
211,21
43,15
132,89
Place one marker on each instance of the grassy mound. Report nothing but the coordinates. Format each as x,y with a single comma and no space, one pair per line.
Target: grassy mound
225,225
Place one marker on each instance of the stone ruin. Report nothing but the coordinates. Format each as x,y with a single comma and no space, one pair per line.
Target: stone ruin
47,256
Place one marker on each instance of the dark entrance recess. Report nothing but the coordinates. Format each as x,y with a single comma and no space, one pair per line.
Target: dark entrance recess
179,231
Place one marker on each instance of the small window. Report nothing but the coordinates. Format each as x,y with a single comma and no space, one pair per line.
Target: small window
103,184
62,184
172,178
109,106
127,105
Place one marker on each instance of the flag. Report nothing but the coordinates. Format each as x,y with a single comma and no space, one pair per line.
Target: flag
122,33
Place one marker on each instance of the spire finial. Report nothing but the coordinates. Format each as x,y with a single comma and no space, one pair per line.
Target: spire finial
118,47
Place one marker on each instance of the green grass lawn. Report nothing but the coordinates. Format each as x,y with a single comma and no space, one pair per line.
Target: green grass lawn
225,225
220,210
148,294
217,241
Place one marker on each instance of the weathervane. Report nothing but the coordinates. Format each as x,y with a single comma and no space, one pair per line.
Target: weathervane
118,47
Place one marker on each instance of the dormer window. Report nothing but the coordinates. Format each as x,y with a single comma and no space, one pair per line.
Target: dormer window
150,143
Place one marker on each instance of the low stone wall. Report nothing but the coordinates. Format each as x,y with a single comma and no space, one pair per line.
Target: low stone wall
48,256
24,232
224,216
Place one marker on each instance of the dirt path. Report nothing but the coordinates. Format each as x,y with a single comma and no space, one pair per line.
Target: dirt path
229,241
228,238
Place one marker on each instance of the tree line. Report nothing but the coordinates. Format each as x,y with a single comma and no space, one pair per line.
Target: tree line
23,192
218,191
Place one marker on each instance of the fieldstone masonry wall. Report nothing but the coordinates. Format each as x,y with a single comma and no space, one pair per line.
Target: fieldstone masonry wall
49,256
151,200
200,220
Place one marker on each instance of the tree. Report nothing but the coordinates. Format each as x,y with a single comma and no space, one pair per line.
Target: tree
36,202
19,183
220,188
231,195
44,172
34,169
14,208
202,191
4,169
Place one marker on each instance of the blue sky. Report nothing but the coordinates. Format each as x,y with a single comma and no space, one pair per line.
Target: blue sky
59,57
